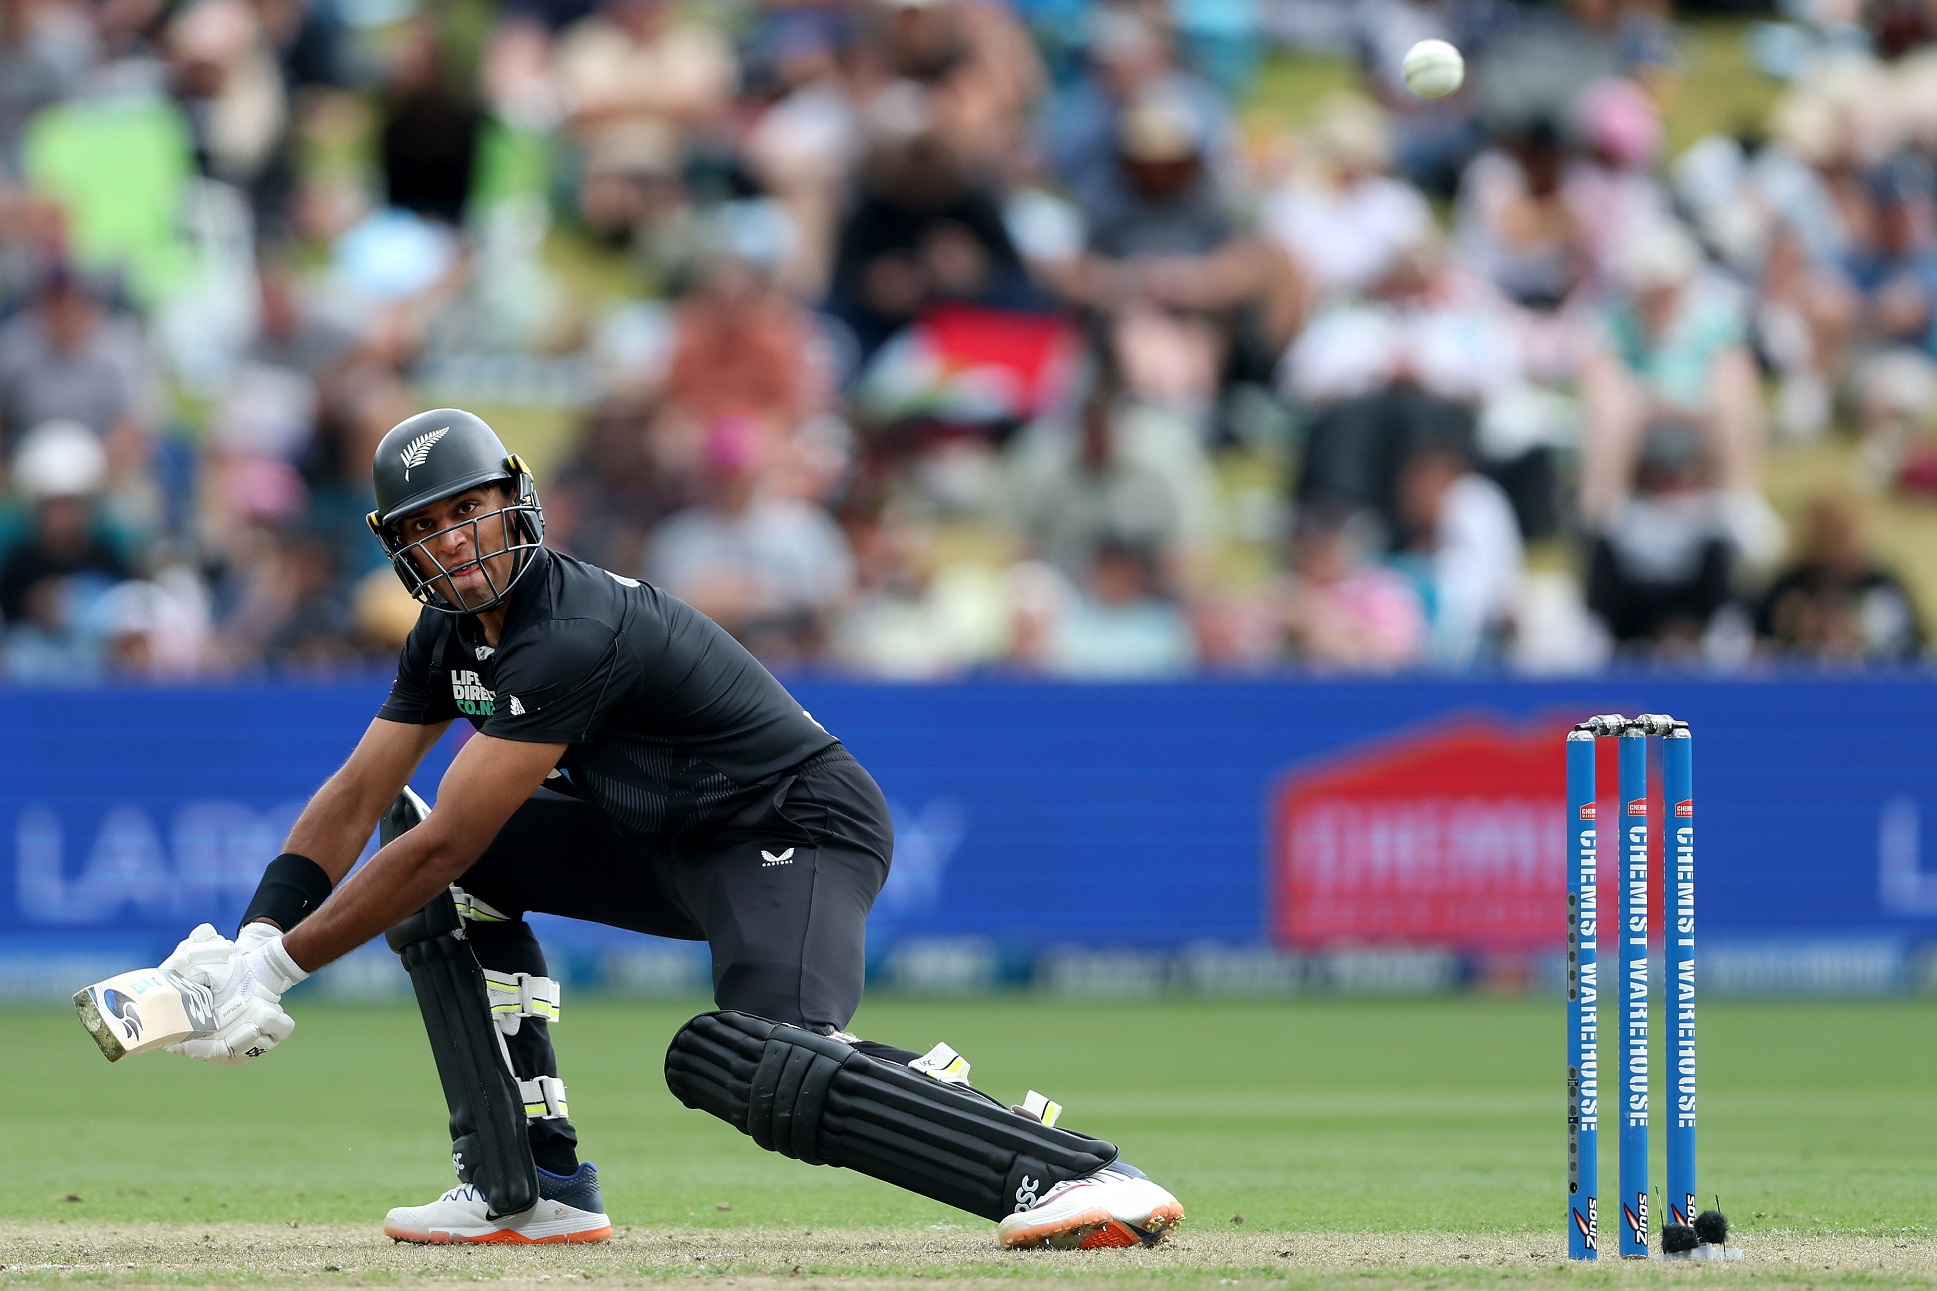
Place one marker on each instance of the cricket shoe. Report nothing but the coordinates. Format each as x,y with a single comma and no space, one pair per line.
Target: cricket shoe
1116,1206
568,1210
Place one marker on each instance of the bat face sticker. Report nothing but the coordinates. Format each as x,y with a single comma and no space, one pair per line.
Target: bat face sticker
125,1011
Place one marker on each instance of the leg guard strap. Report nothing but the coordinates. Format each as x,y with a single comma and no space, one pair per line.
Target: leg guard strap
517,996
544,1099
821,1100
473,909
489,1145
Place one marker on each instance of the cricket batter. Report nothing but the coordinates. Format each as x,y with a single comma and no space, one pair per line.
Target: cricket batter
635,766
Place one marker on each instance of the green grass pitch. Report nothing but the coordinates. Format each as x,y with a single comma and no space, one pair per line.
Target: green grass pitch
1302,1116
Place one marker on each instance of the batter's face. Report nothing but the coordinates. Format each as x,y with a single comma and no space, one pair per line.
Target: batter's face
468,535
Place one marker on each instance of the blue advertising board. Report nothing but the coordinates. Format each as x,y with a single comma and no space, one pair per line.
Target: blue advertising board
1035,815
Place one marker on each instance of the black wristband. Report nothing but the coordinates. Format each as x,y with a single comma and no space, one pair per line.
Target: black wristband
291,887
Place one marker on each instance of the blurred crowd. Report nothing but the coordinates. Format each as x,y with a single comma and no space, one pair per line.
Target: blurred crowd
910,338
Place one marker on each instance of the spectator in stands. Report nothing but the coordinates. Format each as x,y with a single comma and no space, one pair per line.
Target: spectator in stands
1410,365
1784,218
289,380
229,83
1837,603
740,348
611,492
977,71
127,61
1346,221
1514,224
59,472
1892,264
270,403
68,360
33,231
1466,545
1131,58
635,81
1155,230
911,619
772,570
315,631
891,629
515,73
804,150
1661,570
1675,352
1126,473
899,165
1610,186
1432,138
1546,55
278,594
1121,626
1166,263
292,332
308,41
43,54
428,137
365,401
1340,611
157,629
923,230
634,63
54,578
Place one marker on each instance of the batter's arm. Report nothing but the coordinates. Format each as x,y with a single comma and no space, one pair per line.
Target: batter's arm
340,817
490,779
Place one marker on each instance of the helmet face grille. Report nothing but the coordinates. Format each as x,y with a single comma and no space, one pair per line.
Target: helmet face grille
520,527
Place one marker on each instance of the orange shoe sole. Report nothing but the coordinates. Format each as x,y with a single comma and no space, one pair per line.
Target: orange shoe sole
502,1237
1097,1230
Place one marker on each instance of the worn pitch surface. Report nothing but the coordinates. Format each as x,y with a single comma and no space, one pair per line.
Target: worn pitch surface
275,1254
1379,1142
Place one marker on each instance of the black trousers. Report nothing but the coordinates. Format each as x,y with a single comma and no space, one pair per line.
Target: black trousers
780,892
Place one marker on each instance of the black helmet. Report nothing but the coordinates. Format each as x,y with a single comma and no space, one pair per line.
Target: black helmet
436,455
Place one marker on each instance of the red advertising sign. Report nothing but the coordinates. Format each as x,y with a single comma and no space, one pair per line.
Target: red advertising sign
1452,837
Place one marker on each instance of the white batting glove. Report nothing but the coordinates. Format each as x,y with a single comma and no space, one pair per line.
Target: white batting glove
247,987
205,949
255,934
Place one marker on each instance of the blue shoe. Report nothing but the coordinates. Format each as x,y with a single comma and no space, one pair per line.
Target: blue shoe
579,1189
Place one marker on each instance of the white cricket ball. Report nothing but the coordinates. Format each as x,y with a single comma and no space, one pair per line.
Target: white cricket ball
1433,69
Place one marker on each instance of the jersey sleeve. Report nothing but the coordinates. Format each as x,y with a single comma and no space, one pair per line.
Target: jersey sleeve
416,697
556,686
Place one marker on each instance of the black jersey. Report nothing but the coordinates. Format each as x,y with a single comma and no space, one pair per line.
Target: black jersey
669,720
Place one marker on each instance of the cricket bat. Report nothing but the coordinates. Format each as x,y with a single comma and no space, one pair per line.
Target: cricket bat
134,1012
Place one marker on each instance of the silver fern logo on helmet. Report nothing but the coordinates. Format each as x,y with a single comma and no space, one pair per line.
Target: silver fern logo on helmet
419,448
